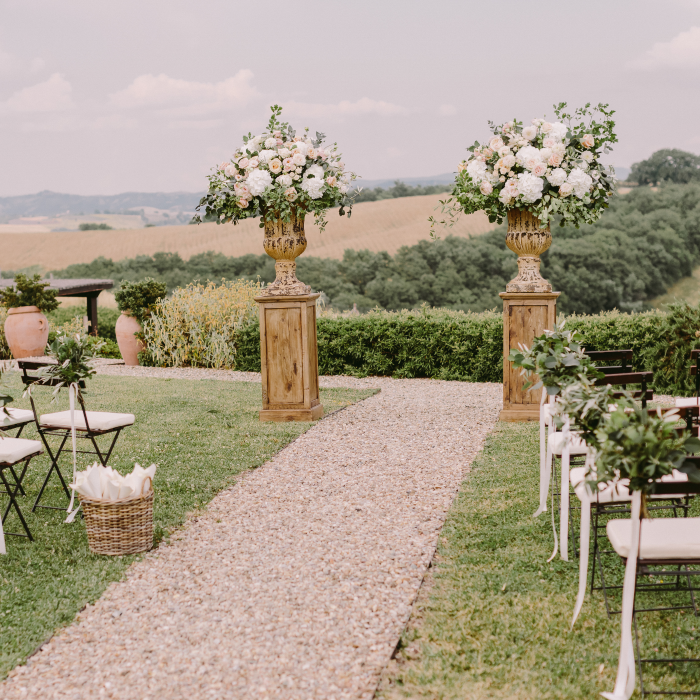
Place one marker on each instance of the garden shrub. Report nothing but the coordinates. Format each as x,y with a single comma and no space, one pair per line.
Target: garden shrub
197,326
5,353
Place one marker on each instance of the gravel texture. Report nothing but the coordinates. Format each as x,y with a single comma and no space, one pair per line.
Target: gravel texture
297,581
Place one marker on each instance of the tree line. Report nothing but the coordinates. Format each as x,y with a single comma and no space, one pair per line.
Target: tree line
643,244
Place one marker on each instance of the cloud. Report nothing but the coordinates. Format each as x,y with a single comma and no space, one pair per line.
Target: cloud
363,107
447,110
53,95
184,97
683,51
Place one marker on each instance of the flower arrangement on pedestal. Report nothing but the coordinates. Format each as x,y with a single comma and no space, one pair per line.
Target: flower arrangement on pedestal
547,168
278,174
533,173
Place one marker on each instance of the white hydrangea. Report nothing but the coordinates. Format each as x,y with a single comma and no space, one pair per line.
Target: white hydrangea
258,181
476,170
557,177
528,153
314,187
558,131
314,171
530,187
580,181
265,155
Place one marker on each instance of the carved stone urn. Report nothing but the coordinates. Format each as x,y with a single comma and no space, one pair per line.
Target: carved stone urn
529,240
285,241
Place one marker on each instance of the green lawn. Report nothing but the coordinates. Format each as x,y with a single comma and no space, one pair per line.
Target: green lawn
492,620
201,434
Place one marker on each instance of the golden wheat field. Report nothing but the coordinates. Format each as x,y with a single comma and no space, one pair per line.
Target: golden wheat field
377,226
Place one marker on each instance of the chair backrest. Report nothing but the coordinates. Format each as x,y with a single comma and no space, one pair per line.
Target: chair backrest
689,414
644,394
624,357
27,379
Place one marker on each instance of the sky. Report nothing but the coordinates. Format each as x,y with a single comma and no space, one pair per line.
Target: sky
147,95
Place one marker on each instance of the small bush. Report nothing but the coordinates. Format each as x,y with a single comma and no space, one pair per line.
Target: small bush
140,298
95,227
5,353
29,291
198,325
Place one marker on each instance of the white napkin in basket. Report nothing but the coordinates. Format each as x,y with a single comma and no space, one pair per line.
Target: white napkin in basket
107,484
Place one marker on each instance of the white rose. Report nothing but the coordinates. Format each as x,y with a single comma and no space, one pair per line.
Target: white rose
271,142
504,151
580,181
230,170
532,163
275,165
505,197
530,187
566,189
343,189
511,189
495,143
302,147
486,188
253,163
265,155
284,180
545,153
557,177
284,153
298,158
587,156
546,127
509,161
258,181
539,170
559,149
529,132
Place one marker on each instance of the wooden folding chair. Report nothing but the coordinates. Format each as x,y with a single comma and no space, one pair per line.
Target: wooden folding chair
88,424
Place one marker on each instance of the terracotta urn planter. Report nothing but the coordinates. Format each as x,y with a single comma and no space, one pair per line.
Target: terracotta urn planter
129,345
285,241
27,331
529,240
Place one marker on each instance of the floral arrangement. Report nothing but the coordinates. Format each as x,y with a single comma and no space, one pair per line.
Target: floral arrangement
548,168
278,175
556,358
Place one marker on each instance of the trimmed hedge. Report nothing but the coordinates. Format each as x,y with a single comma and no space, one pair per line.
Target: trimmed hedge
443,344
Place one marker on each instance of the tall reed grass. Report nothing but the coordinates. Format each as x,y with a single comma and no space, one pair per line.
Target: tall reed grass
198,325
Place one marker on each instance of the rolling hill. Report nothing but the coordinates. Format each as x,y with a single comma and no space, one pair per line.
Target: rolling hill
377,226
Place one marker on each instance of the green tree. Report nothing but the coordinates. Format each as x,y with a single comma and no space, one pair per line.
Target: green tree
667,165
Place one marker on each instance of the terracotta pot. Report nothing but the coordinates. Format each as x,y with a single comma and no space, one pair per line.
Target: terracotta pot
27,332
529,240
129,345
285,241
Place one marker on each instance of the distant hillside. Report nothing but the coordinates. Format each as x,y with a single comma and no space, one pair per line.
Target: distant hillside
377,226
48,203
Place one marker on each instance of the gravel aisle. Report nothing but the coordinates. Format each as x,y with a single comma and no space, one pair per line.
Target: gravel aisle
297,581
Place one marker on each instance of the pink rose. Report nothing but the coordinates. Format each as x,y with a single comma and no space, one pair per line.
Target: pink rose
311,153
253,163
242,203
486,188
539,170
488,153
243,163
275,165
291,194
277,134
554,160
588,141
223,165
288,164
331,181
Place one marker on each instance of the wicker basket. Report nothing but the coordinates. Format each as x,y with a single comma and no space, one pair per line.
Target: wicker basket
119,527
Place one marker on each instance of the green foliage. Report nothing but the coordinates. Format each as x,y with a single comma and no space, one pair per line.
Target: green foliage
106,319
29,291
5,353
5,397
666,165
140,297
94,227
400,189
72,354
438,344
556,358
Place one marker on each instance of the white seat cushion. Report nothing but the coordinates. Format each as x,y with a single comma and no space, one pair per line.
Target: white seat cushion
13,450
661,538
98,420
576,447
616,493
687,402
17,417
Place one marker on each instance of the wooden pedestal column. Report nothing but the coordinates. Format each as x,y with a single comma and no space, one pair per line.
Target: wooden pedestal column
289,358
525,315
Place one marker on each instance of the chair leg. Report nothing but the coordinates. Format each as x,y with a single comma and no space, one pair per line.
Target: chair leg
17,481
13,504
54,465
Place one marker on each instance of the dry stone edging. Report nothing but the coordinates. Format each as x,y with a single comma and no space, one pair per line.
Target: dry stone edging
297,581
